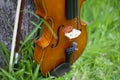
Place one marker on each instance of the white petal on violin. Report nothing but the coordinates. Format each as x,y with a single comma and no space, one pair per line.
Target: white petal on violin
73,34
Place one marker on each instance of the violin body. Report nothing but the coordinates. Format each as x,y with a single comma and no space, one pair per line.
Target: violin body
51,51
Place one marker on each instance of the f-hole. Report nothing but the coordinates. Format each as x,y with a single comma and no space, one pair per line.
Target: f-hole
58,37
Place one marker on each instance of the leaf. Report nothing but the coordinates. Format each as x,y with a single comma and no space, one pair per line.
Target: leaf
6,54
31,34
36,72
19,72
8,74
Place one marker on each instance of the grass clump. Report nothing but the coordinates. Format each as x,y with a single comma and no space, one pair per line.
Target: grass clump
101,58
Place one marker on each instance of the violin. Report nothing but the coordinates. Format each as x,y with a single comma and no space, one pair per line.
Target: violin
55,54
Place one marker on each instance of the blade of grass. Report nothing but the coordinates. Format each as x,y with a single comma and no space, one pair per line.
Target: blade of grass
6,54
19,72
8,74
35,75
48,25
31,34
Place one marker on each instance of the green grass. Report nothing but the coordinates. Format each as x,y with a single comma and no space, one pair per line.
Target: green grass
101,58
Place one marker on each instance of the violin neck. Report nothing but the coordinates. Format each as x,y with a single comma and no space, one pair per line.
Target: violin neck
71,9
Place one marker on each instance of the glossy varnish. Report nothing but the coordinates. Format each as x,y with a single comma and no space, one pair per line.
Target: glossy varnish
49,50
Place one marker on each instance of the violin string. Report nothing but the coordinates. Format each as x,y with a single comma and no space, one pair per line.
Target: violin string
78,21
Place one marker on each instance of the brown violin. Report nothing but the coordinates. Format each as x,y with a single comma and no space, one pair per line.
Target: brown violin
56,53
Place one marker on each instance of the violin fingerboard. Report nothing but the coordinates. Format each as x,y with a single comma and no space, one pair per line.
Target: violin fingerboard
71,9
